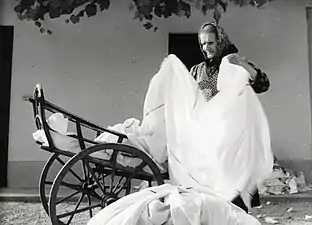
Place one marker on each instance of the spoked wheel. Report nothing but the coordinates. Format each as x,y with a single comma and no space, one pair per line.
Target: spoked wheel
48,174
97,177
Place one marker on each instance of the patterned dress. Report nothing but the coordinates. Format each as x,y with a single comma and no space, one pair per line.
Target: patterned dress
207,78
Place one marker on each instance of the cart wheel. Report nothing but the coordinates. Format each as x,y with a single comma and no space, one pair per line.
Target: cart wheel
47,176
97,177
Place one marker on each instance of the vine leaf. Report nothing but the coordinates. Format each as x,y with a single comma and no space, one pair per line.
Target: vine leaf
144,10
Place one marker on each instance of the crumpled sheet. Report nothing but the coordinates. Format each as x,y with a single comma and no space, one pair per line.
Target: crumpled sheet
62,140
140,136
172,205
59,134
284,181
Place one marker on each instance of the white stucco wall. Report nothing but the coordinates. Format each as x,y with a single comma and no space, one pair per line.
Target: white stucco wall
101,67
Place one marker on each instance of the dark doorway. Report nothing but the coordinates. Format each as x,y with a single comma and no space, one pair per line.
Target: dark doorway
186,48
6,53
309,23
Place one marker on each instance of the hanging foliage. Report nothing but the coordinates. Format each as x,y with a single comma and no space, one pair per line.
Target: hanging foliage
144,10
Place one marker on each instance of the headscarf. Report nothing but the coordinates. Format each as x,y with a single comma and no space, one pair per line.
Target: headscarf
206,73
224,45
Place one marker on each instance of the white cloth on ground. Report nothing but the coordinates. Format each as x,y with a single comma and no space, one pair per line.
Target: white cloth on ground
172,205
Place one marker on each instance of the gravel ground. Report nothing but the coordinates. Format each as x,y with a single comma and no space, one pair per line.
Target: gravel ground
32,213
286,213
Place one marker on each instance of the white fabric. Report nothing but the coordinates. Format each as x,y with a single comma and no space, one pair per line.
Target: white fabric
57,122
140,137
59,134
172,205
221,148
223,144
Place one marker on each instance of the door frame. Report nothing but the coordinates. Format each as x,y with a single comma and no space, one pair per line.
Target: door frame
6,56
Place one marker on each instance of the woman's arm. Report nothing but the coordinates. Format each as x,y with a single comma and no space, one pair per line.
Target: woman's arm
261,83
258,80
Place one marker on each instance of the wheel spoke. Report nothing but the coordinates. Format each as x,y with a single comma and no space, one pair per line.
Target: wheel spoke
48,182
114,162
90,210
103,180
80,189
121,188
70,170
94,177
127,184
138,169
75,187
68,197
79,210
86,177
121,178
78,204
128,187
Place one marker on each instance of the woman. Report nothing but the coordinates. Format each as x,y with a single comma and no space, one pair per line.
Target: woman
215,44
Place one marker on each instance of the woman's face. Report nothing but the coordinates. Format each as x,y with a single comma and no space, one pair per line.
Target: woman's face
208,42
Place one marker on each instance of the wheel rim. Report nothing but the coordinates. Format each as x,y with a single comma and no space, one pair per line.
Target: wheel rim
101,185
45,182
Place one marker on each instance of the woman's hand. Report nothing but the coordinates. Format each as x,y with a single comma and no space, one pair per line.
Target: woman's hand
242,61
